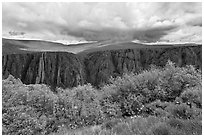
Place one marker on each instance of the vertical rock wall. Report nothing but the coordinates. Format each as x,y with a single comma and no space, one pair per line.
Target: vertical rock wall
66,70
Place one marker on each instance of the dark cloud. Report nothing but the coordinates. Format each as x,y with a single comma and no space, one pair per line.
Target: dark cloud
144,35
154,34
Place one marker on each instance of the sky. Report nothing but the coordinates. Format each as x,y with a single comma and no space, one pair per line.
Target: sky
104,22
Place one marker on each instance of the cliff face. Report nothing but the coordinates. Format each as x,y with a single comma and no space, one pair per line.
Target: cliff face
101,65
62,69
55,69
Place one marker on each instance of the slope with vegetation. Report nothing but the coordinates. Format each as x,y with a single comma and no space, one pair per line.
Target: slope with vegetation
159,100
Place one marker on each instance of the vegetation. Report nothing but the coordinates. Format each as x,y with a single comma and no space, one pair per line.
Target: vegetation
161,101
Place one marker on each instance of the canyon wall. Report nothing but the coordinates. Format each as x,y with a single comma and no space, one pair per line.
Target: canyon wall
66,70
53,68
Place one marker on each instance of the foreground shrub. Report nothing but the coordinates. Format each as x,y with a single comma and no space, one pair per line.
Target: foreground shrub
132,92
183,111
111,109
156,101
38,96
26,108
22,120
13,92
79,106
156,108
174,80
193,95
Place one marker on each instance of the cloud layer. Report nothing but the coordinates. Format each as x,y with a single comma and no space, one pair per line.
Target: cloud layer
145,22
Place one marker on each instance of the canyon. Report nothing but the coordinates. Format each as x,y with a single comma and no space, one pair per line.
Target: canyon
67,70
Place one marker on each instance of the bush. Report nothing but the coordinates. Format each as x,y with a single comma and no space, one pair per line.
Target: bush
172,95
13,92
175,79
156,108
41,98
22,120
26,107
79,106
37,96
133,91
111,109
183,111
193,95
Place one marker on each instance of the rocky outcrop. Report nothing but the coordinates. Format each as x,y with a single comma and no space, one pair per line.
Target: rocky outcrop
62,69
101,65
55,69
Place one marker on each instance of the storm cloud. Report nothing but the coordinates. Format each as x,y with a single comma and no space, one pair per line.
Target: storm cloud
144,22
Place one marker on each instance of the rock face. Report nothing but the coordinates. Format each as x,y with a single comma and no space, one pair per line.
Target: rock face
101,65
62,69
55,69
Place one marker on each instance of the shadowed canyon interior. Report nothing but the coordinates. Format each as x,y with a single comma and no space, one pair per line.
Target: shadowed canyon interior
66,70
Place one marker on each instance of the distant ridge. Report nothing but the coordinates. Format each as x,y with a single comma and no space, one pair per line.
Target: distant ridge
14,46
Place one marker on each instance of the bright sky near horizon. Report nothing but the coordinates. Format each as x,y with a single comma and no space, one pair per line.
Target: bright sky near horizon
86,22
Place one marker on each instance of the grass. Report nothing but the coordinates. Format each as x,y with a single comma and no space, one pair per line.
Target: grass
139,126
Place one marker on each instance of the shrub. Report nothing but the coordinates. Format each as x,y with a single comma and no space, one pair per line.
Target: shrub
13,92
35,109
38,96
156,108
133,91
26,107
79,106
22,120
41,98
111,109
193,95
132,105
175,79
183,111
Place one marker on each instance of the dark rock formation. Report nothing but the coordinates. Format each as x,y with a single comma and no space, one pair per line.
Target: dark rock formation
55,69
62,69
101,65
